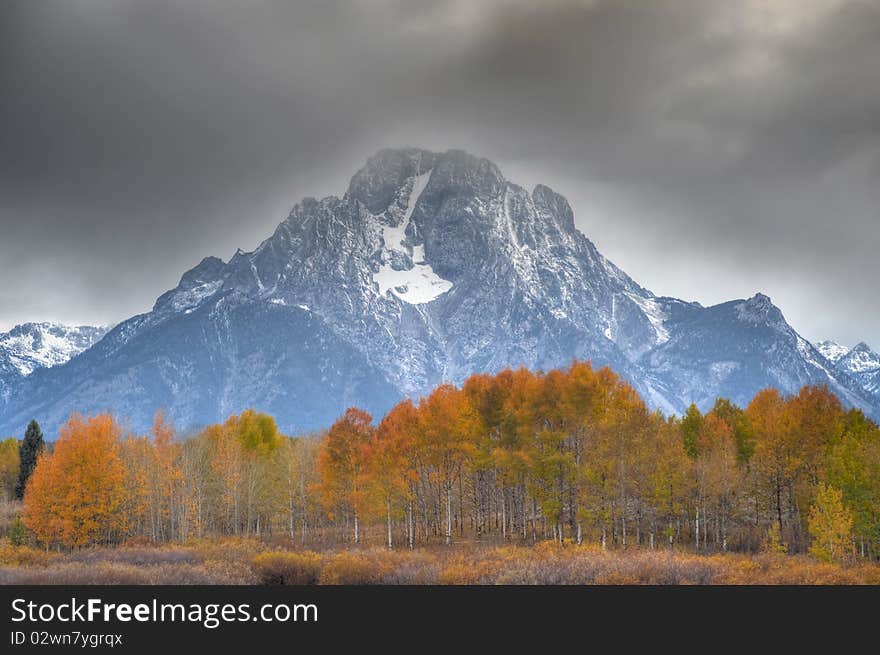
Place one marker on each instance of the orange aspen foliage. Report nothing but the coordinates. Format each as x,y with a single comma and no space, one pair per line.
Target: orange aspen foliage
341,464
390,467
75,495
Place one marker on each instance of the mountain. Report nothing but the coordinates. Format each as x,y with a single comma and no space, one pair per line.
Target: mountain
860,362
861,359
831,350
31,346
430,267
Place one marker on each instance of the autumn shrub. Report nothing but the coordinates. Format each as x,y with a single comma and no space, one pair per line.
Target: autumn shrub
136,556
16,555
657,568
413,568
10,514
110,573
355,568
554,565
228,548
480,568
140,541
287,567
230,572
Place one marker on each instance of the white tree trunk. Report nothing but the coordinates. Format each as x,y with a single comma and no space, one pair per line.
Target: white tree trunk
410,527
503,515
448,514
388,507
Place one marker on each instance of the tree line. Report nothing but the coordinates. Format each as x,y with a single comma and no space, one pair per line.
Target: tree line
569,455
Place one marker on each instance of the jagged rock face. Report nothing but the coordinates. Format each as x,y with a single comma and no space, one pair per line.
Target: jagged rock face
429,268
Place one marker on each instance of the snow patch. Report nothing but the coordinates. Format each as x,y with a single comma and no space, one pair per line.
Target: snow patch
420,283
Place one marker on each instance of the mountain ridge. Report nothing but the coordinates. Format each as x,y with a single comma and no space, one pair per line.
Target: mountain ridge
27,347
430,267
860,362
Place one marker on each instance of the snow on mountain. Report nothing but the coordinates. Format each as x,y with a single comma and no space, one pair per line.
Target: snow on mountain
31,346
430,267
861,359
404,271
831,350
859,362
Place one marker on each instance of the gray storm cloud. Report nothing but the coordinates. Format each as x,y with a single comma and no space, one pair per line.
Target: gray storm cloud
710,148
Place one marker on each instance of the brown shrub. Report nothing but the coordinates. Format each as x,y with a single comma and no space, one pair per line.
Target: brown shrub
136,556
412,568
287,568
481,569
228,549
24,555
239,561
109,573
355,568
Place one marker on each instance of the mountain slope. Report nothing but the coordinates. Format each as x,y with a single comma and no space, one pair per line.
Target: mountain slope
430,267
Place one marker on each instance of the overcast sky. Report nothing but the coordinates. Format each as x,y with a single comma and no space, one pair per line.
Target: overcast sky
712,149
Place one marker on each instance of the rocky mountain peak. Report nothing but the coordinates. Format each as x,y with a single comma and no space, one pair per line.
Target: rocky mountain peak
861,359
376,185
431,267
831,350
759,309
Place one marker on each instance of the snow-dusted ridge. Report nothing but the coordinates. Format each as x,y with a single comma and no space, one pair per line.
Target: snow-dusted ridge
859,362
831,350
32,346
861,359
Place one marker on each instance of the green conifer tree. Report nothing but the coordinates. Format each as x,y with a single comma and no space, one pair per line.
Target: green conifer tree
30,448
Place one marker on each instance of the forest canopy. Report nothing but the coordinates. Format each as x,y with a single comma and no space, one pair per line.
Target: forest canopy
567,455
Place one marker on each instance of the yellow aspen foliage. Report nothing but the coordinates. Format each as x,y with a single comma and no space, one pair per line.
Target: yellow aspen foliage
830,525
773,544
9,467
